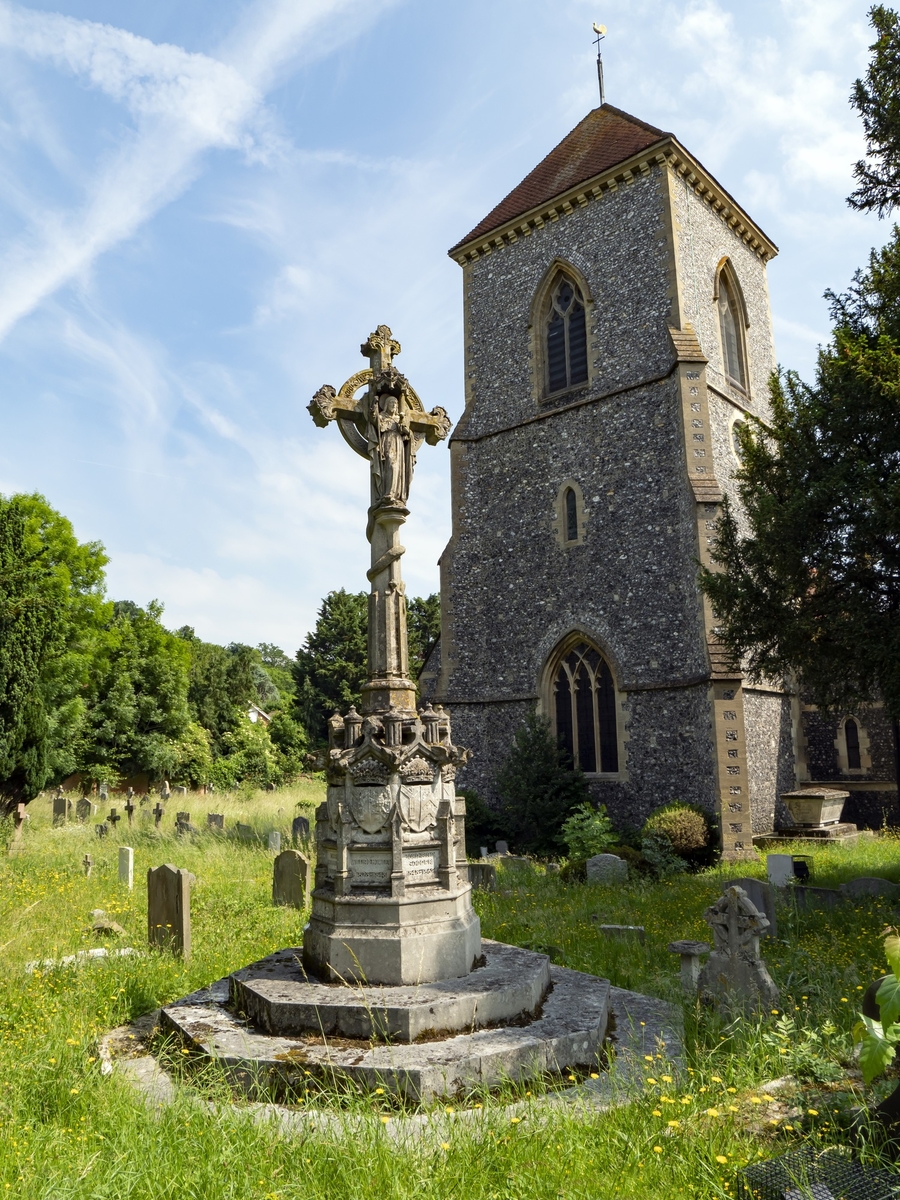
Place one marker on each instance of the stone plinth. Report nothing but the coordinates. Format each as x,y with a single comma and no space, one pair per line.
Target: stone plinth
814,808
280,997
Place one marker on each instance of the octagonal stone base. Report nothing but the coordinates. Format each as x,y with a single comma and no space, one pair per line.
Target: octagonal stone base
567,1031
280,997
379,939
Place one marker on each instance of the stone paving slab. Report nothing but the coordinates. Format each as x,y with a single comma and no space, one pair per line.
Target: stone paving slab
279,997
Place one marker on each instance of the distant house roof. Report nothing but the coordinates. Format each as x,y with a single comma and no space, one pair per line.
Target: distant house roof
255,713
607,136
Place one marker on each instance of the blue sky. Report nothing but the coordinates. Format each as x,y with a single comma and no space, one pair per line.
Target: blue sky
206,207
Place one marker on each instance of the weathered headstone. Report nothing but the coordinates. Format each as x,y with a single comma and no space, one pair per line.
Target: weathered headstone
606,868
126,866
60,810
761,895
215,820
169,909
501,848
84,809
483,876
114,818
734,975
179,791
102,830
165,791
625,933
780,869
484,851
88,864
869,885
158,813
299,830
103,792
291,879
275,841
18,823
145,799
183,824
244,832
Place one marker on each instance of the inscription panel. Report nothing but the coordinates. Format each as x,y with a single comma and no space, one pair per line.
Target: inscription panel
420,866
370,867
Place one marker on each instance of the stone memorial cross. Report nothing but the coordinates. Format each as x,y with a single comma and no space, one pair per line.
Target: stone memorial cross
88,863
158,813
734,974
114,818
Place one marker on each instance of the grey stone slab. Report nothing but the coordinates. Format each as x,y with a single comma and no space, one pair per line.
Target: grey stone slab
169,909
291,879
280,997
780,869
274,841
245,832
629,933
761,895
568,1033
606,868
869,885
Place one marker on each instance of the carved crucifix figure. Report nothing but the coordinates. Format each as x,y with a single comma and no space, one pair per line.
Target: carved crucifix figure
386,424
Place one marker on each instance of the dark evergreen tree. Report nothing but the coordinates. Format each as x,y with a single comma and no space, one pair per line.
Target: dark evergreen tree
538,787
877,99
424,626
331,664
811,579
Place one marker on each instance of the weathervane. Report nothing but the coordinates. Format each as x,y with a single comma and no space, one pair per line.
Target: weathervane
600,31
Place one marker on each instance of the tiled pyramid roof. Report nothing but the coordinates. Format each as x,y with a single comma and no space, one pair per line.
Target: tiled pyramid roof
607,136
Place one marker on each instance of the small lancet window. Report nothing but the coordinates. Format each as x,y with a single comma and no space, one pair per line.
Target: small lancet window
729,324
566,334
851,733
584,697
571,501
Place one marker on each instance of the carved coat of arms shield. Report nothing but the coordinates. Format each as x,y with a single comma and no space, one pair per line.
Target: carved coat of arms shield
371,807
419,805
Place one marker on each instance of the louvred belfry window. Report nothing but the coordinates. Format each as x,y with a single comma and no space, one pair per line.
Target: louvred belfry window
584,697
566,332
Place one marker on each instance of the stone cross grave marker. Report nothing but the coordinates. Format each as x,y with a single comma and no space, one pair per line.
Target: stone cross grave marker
215,820
761,895
126,866
84,809
60,809
734,974
291,879
114,818
102,830
299,830
158,813
88,863
275,841
169,909
130,806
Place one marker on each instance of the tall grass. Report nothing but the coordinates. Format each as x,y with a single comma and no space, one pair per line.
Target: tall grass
70,1132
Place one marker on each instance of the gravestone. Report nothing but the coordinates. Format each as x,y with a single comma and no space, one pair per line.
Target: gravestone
126,866
483,876
158,813
501,848
102,830
780,869
84,809
291,879
275,841
60,810
88,864
183,824
606,868
145,799
626,933
129,793
165,791
869,885
114,818
169,909
734,975
18,822
179,791
244,832
484,851
761,895
299,830
129,806
215,820
103,792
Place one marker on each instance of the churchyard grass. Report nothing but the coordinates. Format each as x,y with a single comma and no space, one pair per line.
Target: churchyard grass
70,1132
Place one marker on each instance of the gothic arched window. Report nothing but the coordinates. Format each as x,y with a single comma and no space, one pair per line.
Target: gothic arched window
851,733
571,503
584,709
730,321
565,330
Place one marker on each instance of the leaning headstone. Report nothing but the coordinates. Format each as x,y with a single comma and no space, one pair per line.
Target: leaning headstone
299,830
215,820
102,830
501,848
244,832
84,809
734,975
275,841
761,895
183,824
869,885
60,810
291,879
126,866
169,909
606,868
88,864
780,869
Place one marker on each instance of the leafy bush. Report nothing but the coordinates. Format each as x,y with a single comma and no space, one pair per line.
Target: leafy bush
587,831
483,824
687,828
657,851
539,787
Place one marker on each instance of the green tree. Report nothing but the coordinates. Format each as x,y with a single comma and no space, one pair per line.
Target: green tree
32,634
331,664
811,578
139,711
877,99
424,626
538,788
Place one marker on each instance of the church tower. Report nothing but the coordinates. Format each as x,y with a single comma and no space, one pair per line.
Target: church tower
617,329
